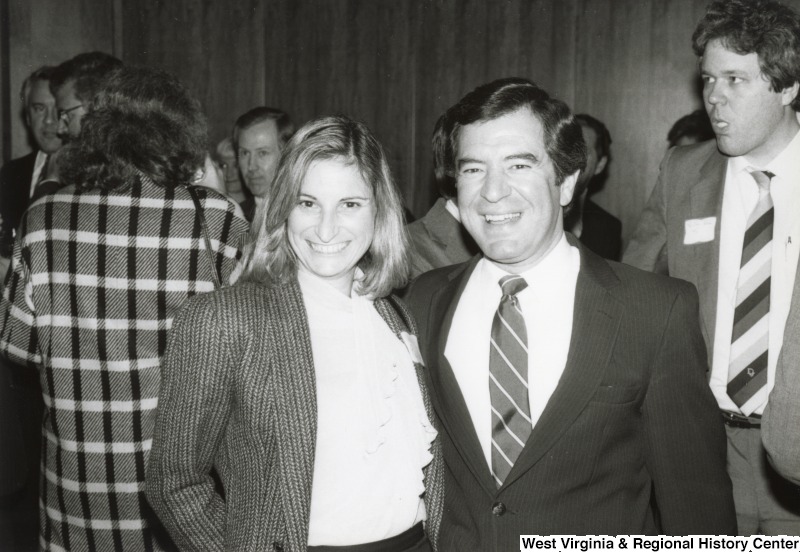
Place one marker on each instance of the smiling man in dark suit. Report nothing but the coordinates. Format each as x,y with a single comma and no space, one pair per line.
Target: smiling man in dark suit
569,389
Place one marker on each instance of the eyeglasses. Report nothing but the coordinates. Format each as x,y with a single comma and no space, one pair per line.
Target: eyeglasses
63,114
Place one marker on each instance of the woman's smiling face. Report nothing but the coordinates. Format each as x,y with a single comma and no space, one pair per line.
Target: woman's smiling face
332,226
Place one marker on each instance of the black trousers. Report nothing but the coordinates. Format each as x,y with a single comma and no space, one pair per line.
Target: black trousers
412,540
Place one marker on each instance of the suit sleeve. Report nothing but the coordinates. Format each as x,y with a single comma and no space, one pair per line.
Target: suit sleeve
647,248
780,428
228,230
193,410
685,439
18,336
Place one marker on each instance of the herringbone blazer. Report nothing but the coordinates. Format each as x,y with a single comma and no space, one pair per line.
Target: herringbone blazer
239,395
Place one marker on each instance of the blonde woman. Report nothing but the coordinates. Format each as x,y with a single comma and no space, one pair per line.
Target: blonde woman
302,384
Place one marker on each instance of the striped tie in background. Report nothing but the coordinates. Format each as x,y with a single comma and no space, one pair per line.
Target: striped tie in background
747,371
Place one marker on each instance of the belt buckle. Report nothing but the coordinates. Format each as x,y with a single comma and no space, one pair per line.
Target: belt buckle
734,419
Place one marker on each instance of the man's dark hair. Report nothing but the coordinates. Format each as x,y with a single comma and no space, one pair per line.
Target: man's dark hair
694,125
600,130
764,27
88,70
259,115
563,139
43,73
143,121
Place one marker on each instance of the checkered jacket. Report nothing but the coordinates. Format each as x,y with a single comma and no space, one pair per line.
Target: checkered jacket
96,280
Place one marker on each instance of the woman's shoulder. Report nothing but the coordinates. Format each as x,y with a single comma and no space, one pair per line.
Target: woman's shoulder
238,294
245,298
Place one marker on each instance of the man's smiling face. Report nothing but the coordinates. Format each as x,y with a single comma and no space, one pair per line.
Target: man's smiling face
507,193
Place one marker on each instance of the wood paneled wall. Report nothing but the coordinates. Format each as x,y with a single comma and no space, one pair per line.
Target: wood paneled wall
464,44
636,72
397,65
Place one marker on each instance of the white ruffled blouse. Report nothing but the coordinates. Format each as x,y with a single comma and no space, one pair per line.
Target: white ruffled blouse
373,434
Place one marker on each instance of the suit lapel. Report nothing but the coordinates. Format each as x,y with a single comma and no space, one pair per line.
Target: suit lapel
296,427
706,201
445,391
595,324
18,187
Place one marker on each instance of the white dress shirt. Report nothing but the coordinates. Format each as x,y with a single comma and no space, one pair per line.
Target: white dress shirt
452,208
373,433
547,305
739,199
38,167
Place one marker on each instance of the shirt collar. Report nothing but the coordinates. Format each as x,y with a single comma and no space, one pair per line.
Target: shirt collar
452,208
547,272
784,165
41,158
317,287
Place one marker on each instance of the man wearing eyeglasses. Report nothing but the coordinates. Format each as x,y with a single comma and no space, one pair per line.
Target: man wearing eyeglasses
75,82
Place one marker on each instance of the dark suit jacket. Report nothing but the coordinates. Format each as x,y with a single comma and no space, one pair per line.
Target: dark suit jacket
15,186
602,231
632,414
438,240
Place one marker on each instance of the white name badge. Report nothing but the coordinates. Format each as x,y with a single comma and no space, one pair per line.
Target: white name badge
699,230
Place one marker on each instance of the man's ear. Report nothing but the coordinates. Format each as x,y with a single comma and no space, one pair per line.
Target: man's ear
601,165
567,188
789,93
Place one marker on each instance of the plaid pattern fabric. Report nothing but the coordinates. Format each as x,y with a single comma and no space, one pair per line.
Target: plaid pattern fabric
96,280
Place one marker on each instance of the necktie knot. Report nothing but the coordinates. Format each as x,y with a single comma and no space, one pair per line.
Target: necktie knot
512,284
763,179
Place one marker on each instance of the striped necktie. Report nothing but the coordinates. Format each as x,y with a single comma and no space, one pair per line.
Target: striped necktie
747,371
508,380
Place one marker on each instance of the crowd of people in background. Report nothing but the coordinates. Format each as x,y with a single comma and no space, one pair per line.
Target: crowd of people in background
257,348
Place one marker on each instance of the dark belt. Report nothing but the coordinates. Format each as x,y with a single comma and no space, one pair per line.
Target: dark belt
399,543
732,419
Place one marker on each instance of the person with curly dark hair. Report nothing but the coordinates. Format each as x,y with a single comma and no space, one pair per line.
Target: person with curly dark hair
723,216
99,270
